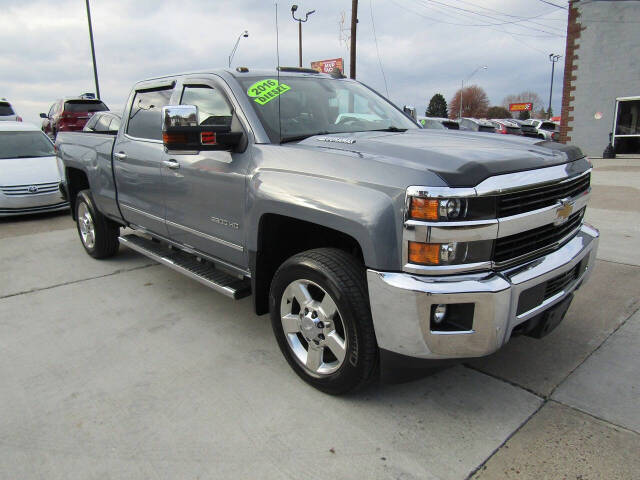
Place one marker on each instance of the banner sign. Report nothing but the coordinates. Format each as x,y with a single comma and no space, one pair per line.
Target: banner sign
519,107
327,66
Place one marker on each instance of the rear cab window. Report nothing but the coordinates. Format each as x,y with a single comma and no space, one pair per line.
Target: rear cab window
145,116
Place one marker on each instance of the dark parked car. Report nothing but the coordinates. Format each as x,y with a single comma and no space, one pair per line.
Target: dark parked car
70,115
103,122
477,125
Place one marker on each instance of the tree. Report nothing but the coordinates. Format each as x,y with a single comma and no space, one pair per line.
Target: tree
437,107
498,112
474,102
523,97
524,115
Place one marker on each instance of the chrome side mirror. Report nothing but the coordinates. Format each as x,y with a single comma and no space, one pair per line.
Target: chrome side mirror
410,111
175,116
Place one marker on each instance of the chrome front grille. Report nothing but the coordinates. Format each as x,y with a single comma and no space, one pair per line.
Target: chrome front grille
32,189
532,199
536,240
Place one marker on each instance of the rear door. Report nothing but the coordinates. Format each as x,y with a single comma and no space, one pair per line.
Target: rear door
205,192
137,159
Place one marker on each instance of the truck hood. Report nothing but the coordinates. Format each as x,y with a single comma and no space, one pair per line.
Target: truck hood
461,159
28,171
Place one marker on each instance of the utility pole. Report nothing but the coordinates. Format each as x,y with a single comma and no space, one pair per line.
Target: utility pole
553,58
354,26
93,52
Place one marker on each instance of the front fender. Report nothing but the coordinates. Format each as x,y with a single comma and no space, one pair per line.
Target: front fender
371,214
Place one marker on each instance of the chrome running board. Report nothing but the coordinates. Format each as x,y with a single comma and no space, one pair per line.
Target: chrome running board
190,265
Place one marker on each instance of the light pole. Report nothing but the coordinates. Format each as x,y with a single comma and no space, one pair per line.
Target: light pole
482,67
244,34
93,52
300,20
553,58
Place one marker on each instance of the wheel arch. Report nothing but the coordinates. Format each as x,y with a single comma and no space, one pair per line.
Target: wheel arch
274,245
76,181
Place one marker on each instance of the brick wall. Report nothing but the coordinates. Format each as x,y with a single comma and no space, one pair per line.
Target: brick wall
574,29
602,62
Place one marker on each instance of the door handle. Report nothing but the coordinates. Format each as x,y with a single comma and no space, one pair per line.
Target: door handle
173,164
120,155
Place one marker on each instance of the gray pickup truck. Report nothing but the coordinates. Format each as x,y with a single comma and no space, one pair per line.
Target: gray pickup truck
377,247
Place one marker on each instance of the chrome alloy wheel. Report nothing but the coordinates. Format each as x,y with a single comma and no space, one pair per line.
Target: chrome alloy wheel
313,327
85,223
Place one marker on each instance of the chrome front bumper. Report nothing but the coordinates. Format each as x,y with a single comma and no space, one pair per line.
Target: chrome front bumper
401,302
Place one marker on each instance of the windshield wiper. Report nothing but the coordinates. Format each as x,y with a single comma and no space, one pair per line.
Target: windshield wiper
295,138
390,128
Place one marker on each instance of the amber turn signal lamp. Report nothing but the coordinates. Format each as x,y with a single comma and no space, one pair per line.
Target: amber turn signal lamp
423,208
424,253
173,138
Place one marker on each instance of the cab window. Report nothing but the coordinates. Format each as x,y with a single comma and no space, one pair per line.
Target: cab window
213,108
145,117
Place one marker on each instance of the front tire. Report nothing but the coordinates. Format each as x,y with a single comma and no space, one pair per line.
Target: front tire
98,234
321,319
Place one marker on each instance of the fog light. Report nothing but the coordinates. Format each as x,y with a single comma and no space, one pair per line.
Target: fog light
439,313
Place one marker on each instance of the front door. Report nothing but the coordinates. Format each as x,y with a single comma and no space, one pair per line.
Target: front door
138,156
205,192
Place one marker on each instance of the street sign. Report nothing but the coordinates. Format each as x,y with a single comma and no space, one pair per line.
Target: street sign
519,107
327,66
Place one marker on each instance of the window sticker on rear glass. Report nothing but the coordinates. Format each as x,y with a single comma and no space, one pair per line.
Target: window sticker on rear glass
266,90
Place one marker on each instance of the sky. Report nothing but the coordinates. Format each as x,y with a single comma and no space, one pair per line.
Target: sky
423,46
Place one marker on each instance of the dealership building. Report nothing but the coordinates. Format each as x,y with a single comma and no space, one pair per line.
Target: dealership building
601,91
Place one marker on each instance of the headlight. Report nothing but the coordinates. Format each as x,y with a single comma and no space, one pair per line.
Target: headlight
452,253
452,209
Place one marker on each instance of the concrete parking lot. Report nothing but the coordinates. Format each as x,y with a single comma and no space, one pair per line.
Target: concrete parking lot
124,369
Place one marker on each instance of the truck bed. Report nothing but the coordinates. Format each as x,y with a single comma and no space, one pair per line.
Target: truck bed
92,153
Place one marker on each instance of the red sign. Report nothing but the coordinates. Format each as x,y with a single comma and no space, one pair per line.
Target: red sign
519,107
328,66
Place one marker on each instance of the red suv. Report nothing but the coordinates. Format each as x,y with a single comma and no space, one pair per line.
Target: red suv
70,115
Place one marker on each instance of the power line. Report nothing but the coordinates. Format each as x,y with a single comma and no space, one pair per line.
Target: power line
514,35
472,12
553,4
373,25
489,26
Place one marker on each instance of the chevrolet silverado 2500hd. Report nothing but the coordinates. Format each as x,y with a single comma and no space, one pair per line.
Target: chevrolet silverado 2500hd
372,243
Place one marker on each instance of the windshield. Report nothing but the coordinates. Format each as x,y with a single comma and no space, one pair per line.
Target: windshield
318,106
25,145
76,106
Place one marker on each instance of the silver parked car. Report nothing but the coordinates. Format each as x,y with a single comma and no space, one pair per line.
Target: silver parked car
438,123
29,173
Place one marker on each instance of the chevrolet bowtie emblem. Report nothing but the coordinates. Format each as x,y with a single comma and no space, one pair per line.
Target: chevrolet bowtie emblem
563,212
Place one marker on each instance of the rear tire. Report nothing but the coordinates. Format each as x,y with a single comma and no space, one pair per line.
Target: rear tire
98,234
320,298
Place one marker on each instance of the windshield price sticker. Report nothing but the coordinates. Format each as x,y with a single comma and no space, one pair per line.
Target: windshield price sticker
266,90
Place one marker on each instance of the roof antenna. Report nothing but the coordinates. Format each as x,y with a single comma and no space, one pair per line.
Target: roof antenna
278,73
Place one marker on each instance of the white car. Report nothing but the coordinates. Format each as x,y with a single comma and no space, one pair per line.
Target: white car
7,113
30,175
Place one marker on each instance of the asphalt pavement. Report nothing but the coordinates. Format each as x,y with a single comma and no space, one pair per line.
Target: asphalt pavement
125,369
